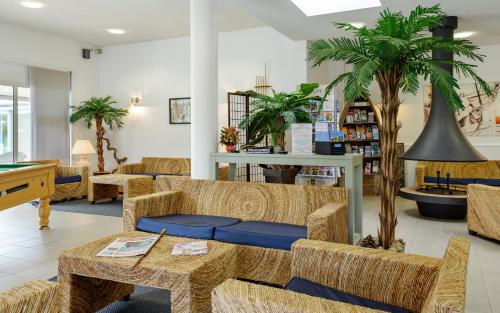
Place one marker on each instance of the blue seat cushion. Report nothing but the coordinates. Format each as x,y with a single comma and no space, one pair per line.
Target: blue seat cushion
68,179
261,234
185,225
454,181
490,182
154,175
313,289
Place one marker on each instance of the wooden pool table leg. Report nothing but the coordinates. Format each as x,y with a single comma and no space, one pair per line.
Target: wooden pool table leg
44,212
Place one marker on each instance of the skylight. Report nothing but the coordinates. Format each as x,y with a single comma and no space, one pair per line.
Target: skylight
320,7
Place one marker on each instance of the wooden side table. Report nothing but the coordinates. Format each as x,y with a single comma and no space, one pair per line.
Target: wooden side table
107,186
89,283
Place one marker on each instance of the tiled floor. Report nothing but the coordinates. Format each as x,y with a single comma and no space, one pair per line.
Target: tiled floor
27,253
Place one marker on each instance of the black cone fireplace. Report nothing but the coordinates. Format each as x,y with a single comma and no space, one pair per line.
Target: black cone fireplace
441,140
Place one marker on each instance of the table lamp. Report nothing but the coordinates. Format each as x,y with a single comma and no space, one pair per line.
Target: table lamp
83,147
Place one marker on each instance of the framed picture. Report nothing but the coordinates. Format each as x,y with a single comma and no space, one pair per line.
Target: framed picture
180,110
481,115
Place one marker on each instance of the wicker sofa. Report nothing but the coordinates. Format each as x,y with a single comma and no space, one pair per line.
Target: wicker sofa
263,219
155,166
483,210
39,296
461,173
407,282
71,181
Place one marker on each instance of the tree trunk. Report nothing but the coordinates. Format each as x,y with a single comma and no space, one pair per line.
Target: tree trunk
99,136
389,86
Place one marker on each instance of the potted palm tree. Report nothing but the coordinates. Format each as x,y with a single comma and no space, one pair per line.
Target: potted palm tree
396,53
101,111
270,117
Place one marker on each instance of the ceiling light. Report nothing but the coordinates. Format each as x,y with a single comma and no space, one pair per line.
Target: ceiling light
32,4
320,7
461,35
116,31
357,24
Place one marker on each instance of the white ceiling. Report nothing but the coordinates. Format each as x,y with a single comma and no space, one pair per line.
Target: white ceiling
145,20
482,16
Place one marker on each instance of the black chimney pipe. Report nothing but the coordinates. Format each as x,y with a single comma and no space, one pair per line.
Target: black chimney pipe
442,139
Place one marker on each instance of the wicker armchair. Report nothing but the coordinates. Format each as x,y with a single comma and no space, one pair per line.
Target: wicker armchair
37,296
415,283
158,166
321,210
68,190
483,210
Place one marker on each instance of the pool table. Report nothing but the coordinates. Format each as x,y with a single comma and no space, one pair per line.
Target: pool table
21,183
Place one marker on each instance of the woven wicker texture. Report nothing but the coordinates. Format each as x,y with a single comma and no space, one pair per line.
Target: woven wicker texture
483,210
322,209
158,165
190,279
71,190
419,284
488,170
106,186
36,296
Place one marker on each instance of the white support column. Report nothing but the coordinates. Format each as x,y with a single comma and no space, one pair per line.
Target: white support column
204,86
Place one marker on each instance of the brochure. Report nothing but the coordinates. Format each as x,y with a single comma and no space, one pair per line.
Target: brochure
129,247
190,248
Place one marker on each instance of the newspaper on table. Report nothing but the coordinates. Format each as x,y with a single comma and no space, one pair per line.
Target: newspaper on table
129,246
190,248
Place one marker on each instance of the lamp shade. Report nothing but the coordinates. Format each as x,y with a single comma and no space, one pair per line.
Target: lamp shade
83,147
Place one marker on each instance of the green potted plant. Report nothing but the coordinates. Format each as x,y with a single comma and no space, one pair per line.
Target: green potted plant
270,117
230,137
101,111
396,53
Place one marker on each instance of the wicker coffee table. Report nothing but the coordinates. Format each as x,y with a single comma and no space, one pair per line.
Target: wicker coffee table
89,283
107,186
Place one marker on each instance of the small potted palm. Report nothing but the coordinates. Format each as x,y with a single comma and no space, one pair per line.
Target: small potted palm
270,117
101,111
230,137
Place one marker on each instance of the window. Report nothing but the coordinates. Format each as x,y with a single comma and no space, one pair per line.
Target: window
15,124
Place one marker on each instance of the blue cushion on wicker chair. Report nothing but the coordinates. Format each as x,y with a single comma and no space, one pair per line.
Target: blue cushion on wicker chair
488,181
310,288
261,234
68,179
453,181
185,225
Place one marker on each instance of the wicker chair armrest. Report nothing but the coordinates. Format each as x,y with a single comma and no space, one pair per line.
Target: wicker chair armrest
186,173
156,204
234,296
419,175
329,223
131,168
67,170
390,277
36,296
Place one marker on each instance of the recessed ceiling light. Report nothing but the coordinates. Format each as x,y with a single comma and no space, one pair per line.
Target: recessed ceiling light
461,35
32,4
116,31
320,7
357,24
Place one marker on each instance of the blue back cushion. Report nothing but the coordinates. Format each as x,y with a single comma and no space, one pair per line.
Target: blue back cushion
185,225
261,234
310,288
68,179
454,181
490,182
154,175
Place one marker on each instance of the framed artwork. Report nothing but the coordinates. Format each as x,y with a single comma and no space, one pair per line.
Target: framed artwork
481,115
180,110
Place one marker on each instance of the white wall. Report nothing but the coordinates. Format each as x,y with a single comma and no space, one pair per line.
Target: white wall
159,70
26,47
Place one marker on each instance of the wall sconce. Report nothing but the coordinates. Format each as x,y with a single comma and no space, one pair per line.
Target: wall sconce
134,102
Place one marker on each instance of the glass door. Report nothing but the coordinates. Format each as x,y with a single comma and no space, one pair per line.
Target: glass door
6,124
24,124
